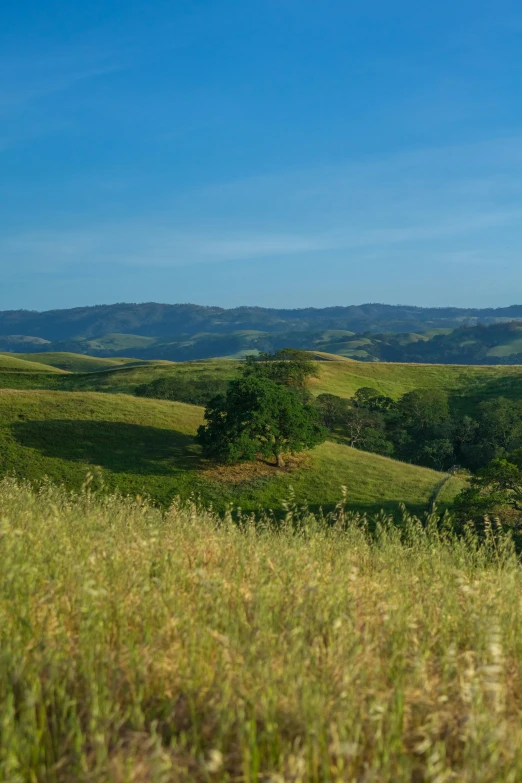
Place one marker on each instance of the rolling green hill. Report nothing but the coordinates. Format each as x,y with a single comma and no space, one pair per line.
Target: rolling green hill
147,447
75,362
118,380
473,383
12,363
337,375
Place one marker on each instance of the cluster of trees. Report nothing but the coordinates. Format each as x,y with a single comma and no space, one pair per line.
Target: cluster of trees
265,412
495,490
422,428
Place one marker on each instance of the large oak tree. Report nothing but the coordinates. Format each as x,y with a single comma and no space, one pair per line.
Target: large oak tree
258,416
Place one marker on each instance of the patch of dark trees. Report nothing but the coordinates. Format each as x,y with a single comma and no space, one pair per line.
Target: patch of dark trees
422,428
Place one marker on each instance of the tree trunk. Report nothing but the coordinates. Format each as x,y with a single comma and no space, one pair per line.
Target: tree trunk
279,459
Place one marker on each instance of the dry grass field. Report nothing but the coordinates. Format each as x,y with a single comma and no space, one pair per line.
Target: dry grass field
140,646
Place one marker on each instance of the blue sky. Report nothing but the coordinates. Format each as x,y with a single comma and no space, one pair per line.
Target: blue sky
274,152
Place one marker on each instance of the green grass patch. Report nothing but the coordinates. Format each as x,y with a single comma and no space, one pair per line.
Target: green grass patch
515,346
125,380
16,363
75,362
142,446
467,385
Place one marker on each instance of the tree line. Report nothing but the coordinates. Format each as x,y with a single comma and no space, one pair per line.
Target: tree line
422,428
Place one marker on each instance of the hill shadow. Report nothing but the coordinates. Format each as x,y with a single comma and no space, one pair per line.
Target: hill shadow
117,446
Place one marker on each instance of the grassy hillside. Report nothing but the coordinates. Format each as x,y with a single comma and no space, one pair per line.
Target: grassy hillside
147,447
508,348
469,345
141,647
345,377
75,362
337,375
124,380
19,364
120,380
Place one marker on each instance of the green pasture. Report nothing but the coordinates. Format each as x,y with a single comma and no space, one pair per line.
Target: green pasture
147,447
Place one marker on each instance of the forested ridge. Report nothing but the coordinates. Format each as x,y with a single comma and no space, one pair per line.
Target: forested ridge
183,332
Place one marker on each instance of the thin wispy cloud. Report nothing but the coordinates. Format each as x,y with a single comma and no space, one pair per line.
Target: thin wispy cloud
23,82
150,245
355,211
29,73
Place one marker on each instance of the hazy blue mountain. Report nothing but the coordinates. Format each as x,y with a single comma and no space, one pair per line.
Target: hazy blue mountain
164,320
369,332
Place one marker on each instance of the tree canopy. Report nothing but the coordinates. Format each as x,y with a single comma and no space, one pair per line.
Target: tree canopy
288,366
367,397
258,416
495,490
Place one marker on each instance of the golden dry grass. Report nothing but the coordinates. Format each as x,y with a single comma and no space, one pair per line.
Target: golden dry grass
146,647
245,472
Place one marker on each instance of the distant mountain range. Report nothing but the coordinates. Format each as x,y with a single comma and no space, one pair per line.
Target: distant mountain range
180,332
166,320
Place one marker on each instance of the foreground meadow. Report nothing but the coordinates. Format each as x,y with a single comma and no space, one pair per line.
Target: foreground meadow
138,645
